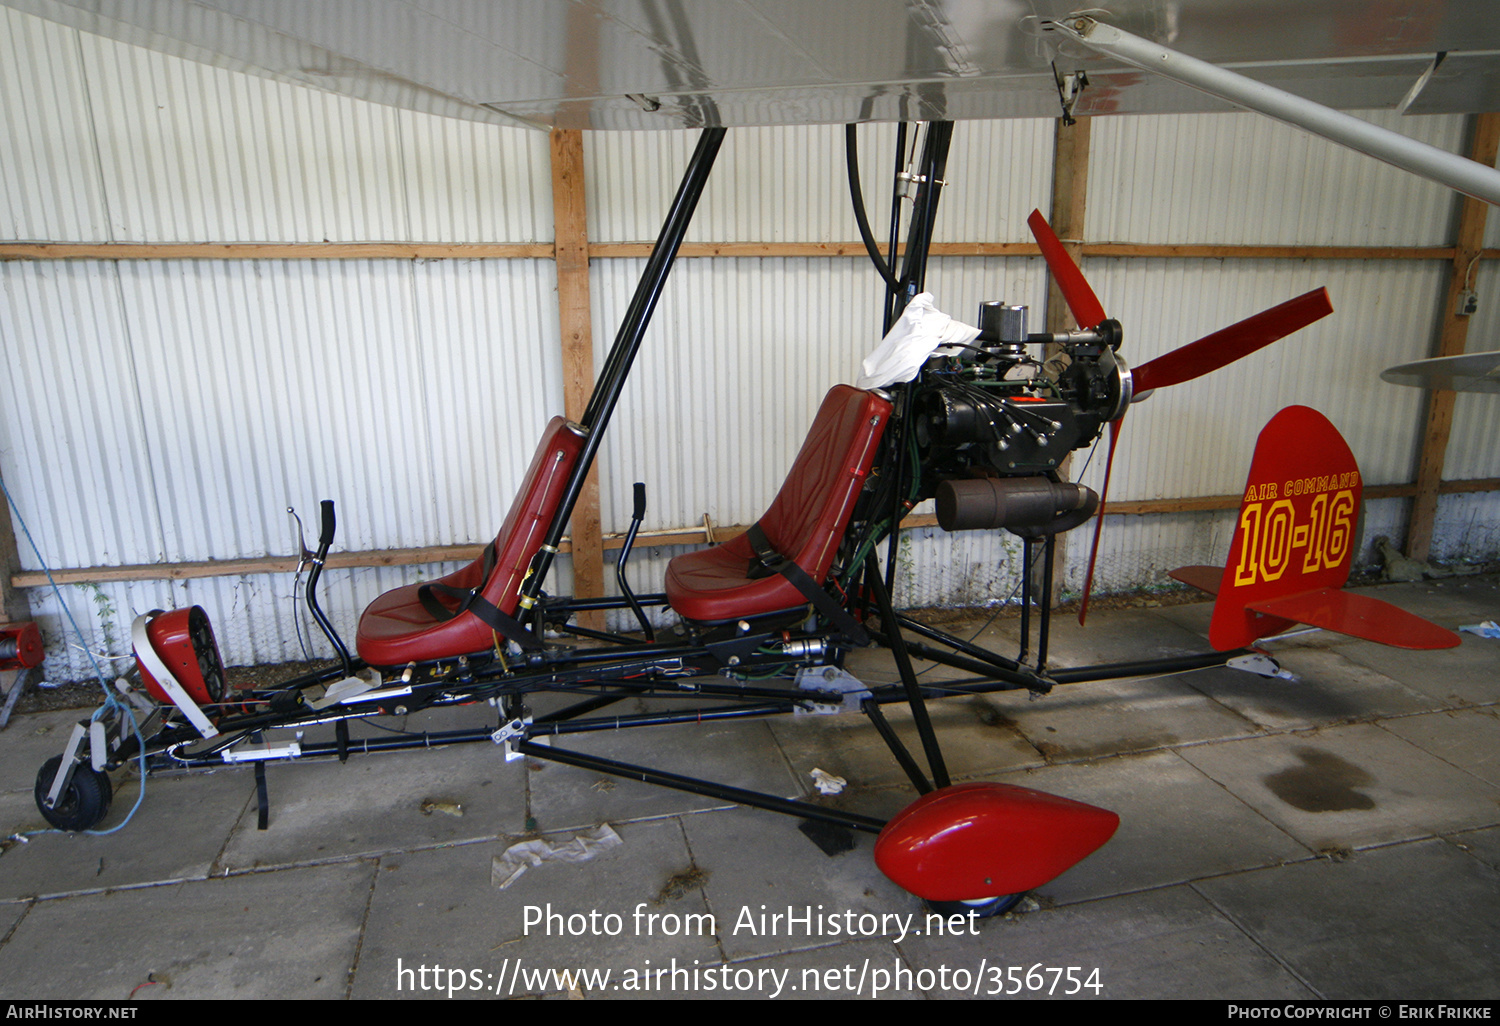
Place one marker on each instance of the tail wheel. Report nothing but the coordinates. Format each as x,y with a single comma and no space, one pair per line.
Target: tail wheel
82,804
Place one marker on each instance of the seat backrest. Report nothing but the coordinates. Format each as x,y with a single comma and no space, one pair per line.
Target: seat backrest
531,512
807,519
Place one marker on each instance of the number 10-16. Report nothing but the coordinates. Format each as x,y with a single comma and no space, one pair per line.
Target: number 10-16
1268,536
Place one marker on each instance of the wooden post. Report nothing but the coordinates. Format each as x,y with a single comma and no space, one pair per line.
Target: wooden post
571,251
1451,342
14,608
1070,186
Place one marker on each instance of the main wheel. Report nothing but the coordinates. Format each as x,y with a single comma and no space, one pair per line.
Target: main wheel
984,908
82,804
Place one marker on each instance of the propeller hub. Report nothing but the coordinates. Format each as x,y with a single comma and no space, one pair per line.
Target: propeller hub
1120,385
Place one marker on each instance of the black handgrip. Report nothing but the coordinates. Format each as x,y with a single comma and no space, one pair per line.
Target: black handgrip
640,501
325,537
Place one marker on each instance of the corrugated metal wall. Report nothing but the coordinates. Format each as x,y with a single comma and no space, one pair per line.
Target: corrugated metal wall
168,410
163,410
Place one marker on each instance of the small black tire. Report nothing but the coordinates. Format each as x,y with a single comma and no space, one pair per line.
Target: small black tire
986,909
82,805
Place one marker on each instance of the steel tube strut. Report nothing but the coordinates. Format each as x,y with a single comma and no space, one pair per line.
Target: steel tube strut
659,719
913,280
1467,176
956,643
627,343
892,630
1012,680
871,708
1145,667
692,785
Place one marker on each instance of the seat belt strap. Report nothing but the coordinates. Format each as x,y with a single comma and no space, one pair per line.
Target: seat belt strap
471,601
766,556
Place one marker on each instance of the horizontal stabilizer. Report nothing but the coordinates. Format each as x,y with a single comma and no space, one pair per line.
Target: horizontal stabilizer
1204,578
1360,616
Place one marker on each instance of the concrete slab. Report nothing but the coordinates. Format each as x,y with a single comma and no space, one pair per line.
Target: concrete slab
10,915
1408,921
290,934
875,666
1167,943
1329,690
1484,845
740,754
1123,635
31,740
1451,601
1468,739
977,742
1175,825
1466,675
439,909
1084,721
1349,787
1192,616
760,862
177,834
374,803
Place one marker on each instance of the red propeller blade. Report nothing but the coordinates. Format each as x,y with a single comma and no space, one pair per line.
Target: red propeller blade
1087,309
1227,345
1109,463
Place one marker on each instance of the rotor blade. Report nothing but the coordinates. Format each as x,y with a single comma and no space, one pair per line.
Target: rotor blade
1109,462
1467,372
1227,345
1087,309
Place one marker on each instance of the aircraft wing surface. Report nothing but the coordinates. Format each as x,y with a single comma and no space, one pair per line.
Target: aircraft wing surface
648,64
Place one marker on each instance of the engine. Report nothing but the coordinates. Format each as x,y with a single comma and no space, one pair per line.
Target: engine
993,421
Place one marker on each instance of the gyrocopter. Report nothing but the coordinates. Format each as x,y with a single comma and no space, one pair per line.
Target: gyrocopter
980,425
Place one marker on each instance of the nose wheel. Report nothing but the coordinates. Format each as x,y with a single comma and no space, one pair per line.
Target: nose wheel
82,804
982,908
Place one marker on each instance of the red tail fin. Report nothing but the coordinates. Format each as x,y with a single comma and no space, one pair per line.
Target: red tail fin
1294,540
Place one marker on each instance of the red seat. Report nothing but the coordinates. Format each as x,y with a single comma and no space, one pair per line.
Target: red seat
396,629
805,523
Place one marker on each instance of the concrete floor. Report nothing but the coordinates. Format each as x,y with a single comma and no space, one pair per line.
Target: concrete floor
1337,836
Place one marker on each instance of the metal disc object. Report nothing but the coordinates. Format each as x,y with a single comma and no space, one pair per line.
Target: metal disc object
1120,384
1469,372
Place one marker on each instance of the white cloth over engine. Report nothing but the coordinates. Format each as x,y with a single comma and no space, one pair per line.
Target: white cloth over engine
921,329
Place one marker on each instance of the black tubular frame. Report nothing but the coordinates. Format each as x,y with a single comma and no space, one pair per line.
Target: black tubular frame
627,344
758,656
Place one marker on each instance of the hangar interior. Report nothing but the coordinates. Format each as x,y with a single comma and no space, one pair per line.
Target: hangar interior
225,295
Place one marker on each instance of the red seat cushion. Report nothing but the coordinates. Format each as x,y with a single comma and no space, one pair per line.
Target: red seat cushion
805,523
395,629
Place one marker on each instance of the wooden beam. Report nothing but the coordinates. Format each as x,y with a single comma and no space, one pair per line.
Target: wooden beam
640,250
618,250
244,567
1451,341
1218,252
570,230
272,251
1205,503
